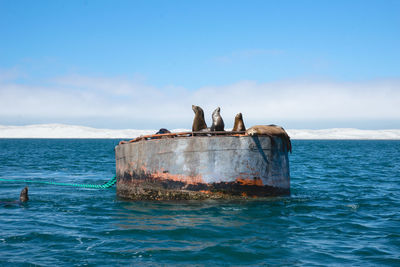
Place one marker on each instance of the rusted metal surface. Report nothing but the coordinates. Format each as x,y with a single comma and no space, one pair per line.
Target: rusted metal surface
183,166
182,134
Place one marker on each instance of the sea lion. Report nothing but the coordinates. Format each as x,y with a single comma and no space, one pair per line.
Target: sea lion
163,131
218,122
23,197
271,130
238,126
198,122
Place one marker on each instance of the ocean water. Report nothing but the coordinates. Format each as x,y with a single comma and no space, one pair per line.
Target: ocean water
344,210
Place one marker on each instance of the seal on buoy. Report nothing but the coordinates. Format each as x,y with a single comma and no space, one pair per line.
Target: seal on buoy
218,122
163,131
198,122
238,126
23,196
271,130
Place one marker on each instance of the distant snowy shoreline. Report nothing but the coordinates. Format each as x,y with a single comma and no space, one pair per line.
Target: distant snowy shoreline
73,131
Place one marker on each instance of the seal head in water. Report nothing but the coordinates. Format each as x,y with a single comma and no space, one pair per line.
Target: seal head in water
218,122
23,197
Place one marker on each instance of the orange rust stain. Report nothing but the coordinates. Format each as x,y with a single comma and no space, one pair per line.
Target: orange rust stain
143,168
205,191
178,177
175,177
244,194
180,134
256,181
248,174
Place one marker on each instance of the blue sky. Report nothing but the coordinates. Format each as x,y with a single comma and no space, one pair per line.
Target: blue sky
141,64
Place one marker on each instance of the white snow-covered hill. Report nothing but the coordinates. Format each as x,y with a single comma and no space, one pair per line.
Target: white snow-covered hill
73,131
345,133
69,131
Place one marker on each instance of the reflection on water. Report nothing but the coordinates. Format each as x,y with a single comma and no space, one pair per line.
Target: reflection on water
170,216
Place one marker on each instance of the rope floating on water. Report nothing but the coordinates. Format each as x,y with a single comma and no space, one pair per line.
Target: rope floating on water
108,184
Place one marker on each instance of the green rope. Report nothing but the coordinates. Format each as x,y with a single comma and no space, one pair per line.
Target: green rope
108,184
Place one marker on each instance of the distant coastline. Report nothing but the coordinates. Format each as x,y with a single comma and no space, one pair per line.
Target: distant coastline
75,131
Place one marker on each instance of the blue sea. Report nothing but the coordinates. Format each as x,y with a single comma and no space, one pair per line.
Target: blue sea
344,210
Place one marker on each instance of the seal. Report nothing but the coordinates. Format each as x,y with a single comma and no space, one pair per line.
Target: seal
218,122
271,130
163,131
238,126
198,122
23,196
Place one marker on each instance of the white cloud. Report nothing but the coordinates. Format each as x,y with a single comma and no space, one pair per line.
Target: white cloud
111,99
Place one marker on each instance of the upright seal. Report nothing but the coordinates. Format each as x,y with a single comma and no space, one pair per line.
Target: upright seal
218,122
23,196
198,122
238,126
271,130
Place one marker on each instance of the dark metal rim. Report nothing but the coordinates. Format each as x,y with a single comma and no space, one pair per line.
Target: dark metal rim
186,134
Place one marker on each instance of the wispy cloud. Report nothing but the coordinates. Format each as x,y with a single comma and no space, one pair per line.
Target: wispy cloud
114,101
9,74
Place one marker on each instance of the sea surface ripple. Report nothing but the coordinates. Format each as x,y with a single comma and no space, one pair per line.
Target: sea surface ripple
344,210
